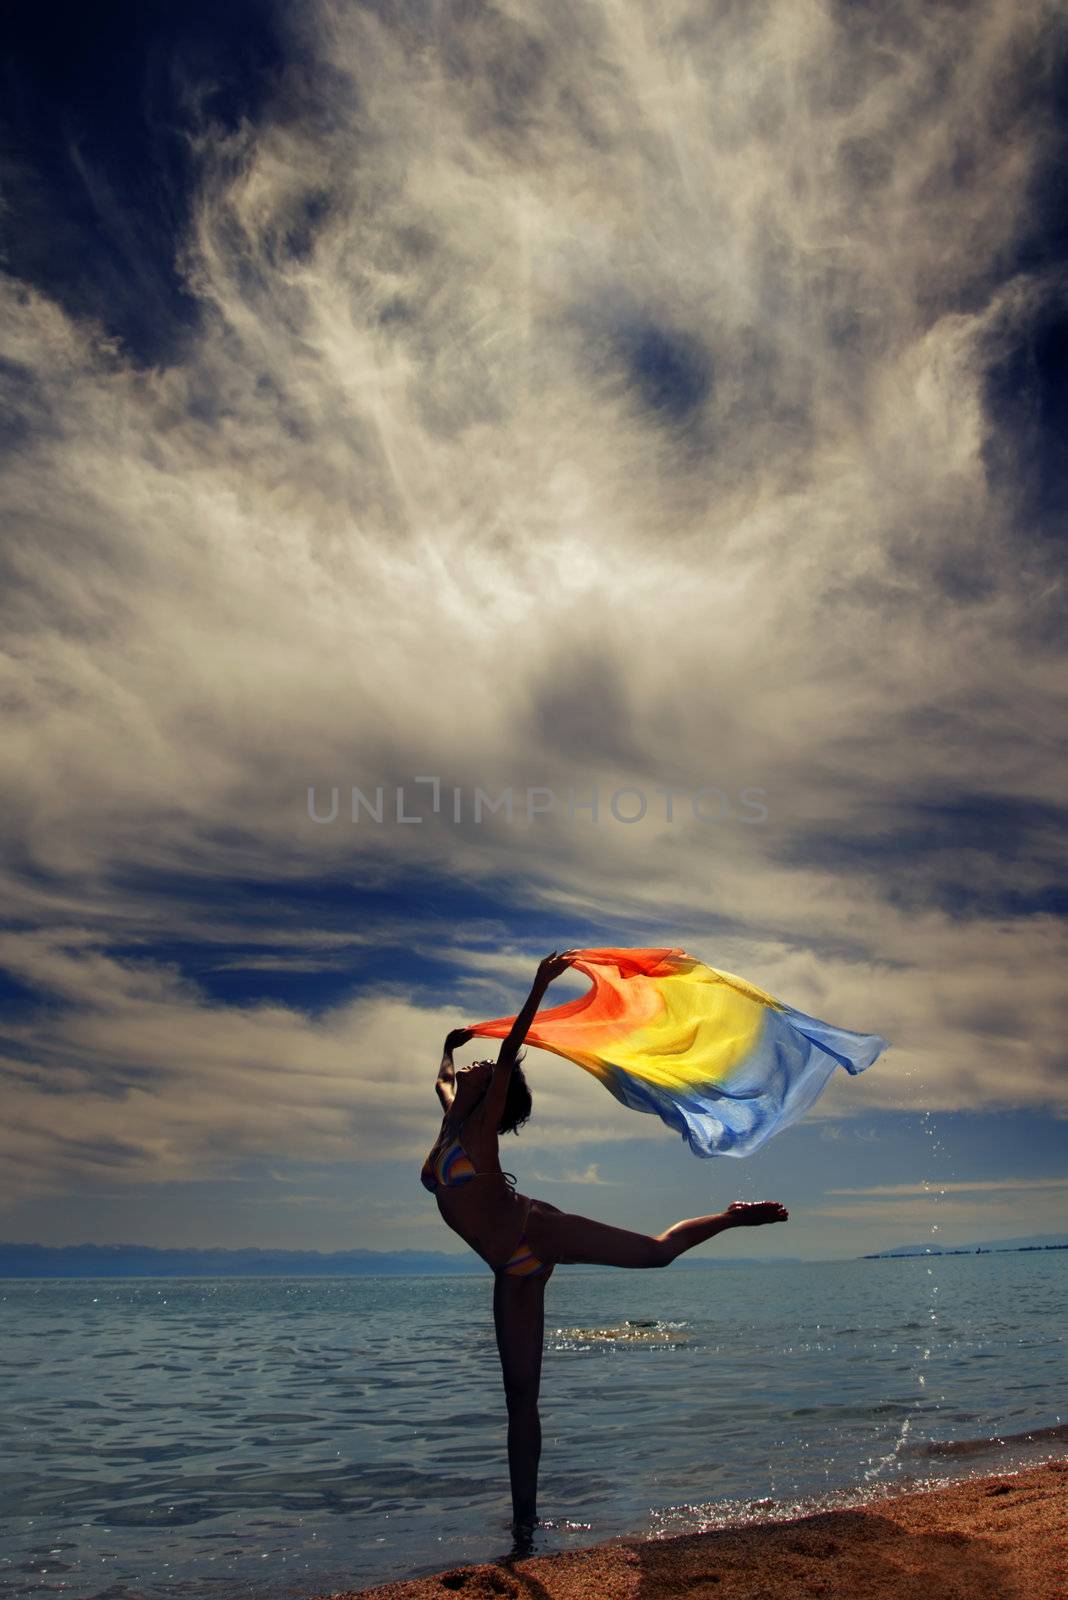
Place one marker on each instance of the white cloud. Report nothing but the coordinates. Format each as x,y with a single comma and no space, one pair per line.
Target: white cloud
156,1083
591,1175
423,500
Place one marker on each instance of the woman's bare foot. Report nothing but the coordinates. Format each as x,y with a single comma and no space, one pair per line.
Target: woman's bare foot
749,1213
523,1530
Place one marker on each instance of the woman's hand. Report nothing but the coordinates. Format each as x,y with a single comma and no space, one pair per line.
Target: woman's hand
458,1037
548,969
554,966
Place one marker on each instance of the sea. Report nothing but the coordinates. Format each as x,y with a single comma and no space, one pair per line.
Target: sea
285,1437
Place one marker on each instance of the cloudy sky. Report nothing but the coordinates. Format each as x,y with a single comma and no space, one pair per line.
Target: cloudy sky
656,401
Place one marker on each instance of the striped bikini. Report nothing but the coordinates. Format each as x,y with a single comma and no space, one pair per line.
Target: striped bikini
451,1170
523,1263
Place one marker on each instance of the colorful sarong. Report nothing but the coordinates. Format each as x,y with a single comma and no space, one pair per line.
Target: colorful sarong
716,1058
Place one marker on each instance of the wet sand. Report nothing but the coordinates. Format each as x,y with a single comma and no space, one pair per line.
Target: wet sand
998,1538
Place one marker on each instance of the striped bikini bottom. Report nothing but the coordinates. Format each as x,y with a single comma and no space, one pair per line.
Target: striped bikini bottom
523,1263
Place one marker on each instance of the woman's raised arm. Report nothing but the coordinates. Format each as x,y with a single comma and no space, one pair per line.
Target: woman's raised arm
552,967
446,1080
497,1093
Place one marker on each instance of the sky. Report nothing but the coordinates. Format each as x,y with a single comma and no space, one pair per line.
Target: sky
659,402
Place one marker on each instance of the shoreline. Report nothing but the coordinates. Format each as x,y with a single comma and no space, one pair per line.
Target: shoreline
997,1537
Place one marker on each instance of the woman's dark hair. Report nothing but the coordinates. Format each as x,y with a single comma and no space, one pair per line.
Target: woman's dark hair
518,1105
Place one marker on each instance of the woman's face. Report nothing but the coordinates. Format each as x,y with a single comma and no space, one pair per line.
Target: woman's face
471,1080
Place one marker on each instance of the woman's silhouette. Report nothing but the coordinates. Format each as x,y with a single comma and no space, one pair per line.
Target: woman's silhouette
521,1238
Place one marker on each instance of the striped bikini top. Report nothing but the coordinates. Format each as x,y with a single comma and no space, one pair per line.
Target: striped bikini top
453,1167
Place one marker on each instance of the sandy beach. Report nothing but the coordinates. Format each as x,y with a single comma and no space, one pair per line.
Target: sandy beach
1004,1536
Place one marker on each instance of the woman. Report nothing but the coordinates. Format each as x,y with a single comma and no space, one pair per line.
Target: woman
521,1238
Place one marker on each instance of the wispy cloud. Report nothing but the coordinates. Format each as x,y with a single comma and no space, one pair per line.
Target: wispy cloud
642,415
591,1175
160,1084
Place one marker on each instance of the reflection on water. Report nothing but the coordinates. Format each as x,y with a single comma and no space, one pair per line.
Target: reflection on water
628,1332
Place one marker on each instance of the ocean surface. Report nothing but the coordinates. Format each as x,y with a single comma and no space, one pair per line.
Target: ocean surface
286,1437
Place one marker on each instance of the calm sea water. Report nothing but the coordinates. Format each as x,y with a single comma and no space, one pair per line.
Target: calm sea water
283,1437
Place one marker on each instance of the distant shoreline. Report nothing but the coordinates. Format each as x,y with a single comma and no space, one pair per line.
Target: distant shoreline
963,1250
22,1261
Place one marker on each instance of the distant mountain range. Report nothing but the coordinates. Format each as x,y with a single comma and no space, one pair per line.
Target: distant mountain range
1031,1241
146,1261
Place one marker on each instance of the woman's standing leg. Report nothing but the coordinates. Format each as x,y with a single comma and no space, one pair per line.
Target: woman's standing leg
519,1318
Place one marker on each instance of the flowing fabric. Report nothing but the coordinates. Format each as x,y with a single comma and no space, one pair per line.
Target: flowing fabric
718,1059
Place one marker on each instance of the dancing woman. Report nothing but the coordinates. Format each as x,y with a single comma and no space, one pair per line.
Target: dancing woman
522,1238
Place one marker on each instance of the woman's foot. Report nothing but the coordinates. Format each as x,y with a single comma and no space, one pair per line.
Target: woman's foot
750,1213
523,1530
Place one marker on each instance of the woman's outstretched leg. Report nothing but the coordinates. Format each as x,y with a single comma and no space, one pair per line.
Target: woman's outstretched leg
565,1237
741,1213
